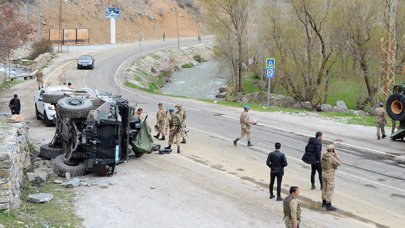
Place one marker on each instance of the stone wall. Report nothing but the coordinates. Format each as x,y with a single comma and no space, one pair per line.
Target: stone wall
41,60
14,157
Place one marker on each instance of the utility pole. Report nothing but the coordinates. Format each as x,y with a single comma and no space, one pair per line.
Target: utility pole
177,24
60,25
39,20
388,49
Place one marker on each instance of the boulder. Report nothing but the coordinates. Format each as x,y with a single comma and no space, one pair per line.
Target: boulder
326,108
223,89
221,95
360,113
58,181
73,183
340,107
40,197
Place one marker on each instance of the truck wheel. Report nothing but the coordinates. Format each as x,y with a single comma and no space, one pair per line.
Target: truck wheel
47,121
60,168
52,97
74,107
396,107
49,152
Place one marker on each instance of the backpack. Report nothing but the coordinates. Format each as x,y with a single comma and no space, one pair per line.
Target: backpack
307,155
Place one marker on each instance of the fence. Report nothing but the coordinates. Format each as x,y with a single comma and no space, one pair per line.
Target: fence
76,36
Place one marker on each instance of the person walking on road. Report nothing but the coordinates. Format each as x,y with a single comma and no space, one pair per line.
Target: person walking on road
15,105
40,79
245,126
276,161
292,209
381,119
174,129
181,112
314,149
330,162
161,117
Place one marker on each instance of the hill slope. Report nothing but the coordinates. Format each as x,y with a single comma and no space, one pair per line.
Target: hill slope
151,18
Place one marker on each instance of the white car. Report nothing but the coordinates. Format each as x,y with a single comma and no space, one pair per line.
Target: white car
46,111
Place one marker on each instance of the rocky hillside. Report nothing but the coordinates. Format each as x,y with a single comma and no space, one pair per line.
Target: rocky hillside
147,18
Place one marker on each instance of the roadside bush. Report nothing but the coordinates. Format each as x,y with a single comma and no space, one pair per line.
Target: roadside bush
188,4
40,47
187,65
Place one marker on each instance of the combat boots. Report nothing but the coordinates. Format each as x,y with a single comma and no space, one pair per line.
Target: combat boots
235,141
184,141
313,186
178,150
249,144
163,138
329,207
157,136
169,147
323,203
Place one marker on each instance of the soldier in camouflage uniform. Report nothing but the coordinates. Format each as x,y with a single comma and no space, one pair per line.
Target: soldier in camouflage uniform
330,162
292,209
381,118
181,112
245,126
161,118
174,129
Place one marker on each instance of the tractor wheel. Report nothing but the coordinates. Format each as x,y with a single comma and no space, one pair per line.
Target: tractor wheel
61,168
74,107
396,107
52,97
48,152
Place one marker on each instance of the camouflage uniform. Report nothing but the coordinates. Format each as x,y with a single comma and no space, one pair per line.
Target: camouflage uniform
181,112
174,124
330,162
381,118
292,211
245,125
161,118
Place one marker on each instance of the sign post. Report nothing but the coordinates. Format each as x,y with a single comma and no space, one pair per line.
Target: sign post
270,71
67,42
112,13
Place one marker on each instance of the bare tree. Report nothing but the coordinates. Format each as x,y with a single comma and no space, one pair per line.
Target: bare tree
360,27
227,19
13,31
303,48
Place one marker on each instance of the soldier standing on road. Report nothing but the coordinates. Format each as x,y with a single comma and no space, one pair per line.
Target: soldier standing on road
381,118
181,112
276,161
40,79
245,126
314,148
292,209
174,129
15,105
161,117
330,162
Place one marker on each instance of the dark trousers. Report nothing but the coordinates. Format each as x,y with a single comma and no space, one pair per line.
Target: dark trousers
314,168
279,179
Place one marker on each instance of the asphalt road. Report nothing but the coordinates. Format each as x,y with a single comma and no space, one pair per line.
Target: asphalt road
370,186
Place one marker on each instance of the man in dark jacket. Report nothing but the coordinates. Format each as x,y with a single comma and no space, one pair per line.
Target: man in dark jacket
276,161
15,105
314,148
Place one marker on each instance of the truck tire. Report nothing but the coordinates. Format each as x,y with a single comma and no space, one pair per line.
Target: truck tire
52,97
48,152
60,168
396,107
74,107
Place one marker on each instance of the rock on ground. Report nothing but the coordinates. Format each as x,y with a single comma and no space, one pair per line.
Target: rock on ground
40,197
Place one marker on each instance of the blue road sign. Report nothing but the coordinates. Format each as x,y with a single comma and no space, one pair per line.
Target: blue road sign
112,12
270,72
270,63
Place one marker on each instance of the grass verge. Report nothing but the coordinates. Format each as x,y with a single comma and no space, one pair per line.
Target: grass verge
9,84
59,212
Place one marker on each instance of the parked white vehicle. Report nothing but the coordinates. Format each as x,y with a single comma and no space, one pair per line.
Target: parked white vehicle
46,111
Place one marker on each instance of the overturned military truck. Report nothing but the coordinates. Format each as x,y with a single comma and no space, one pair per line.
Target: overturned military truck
93,132
396,110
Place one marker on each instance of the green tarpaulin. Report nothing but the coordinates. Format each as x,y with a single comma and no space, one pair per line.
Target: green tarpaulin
143,142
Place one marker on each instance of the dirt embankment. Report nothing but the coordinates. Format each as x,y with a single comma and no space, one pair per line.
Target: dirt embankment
139,18
154,70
